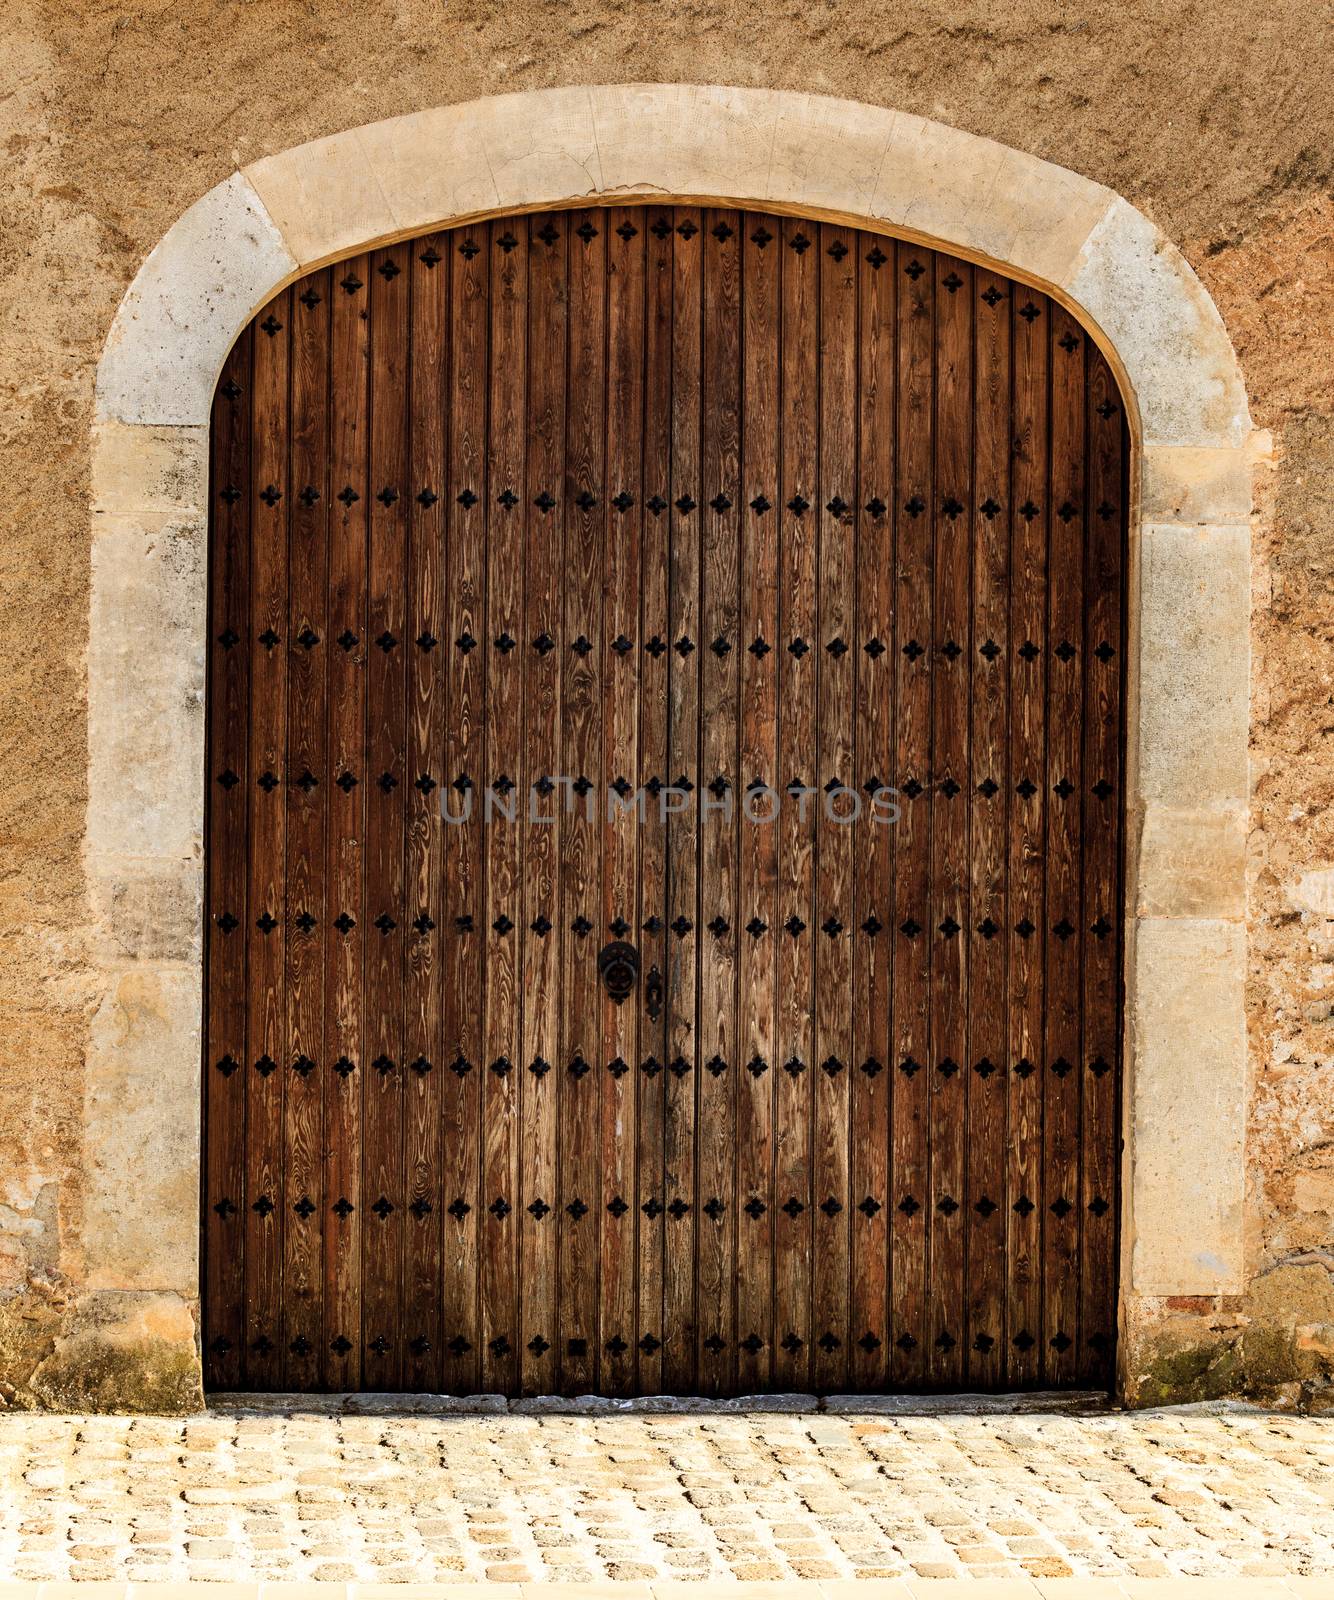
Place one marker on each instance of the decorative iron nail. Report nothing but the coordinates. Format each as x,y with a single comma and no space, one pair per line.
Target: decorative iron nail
684,504
877,257
270,325
914,269
1029,312
687,229
798,505
837,250
760,504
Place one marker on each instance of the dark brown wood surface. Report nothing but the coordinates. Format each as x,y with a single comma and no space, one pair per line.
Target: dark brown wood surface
747,589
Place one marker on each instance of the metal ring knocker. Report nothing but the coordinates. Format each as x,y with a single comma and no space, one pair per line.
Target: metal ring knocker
618,967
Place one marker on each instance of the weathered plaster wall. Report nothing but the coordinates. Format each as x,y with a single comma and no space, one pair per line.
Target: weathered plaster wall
116,118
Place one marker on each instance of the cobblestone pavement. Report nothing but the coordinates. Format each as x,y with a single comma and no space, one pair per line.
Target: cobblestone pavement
514,1498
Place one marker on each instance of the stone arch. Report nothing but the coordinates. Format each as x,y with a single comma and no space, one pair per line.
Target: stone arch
1186,1079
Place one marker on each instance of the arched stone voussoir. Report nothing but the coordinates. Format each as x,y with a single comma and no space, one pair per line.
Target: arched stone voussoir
809,153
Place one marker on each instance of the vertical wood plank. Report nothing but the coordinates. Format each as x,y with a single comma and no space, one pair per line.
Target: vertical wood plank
266,927
1064,930
799,271
914,654
350,788
949,931
717,1060
655,655
872,926
839,808
230,778
582,999
541,505
475,1215
384,1188
502,823
623,817
423,1040
1031,315
684,776
758,797
307,792
1104,810
989,797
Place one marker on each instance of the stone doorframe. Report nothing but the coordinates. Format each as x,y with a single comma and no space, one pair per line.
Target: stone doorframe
1189,586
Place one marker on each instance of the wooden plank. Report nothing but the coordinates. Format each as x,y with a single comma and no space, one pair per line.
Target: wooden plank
1065,917
655,655
581,831
683,909
266,926
228,800
836,571
988,793
622,520
717,1051
872,926
953,430
1028,534
796,645
307,792
425,643
477,1217
914,655
502,824
383,1178
350,787
541,504
1104,808
759,656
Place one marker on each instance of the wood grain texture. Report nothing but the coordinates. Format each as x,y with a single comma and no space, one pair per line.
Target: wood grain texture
747,589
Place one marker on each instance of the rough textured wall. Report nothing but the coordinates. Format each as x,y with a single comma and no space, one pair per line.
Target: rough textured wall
1214,118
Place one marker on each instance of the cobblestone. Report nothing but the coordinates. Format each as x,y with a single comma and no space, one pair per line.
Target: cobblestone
541,1496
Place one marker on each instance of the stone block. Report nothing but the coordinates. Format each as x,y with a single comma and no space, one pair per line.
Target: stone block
322,198
706,143
1193,679
1191,863
147,472
212,269
145,910
141,1138
125,1353
1029,216
1188,1083
146,688
1210,485
1166,332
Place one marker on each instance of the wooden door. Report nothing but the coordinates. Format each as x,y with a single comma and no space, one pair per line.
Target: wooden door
743,590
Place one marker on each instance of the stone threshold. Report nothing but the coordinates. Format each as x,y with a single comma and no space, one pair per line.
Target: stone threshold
1257,1588
1057,1403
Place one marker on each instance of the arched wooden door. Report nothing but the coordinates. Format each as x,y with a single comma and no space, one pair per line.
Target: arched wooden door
741,589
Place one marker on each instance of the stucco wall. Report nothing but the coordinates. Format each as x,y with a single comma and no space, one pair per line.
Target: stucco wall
114,124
